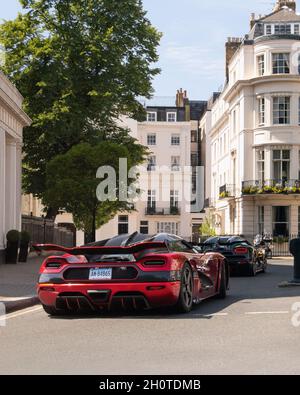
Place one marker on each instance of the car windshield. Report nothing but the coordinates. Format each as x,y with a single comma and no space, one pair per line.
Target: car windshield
111,258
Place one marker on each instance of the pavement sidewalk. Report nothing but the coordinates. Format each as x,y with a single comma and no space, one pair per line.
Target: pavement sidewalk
18,282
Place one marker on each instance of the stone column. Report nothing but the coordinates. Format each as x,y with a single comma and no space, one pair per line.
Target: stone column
18,185
2,188
294,220
294,164
11,185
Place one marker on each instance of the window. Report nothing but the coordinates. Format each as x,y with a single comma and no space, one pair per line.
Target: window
171,116
261,111
298,221
144,227
194,159
299,64
234,121
180,246
261,65
168,227
175,139
174,199
123,224
281,222
296,29
268,29
194,136
151,202
261,220
151,116
175,163
283,29
151,163
261,165
194,180
151,139
281,63
281,165
281,110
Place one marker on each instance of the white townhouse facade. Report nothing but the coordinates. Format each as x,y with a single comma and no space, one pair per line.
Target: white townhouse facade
171,133
253,130
12,121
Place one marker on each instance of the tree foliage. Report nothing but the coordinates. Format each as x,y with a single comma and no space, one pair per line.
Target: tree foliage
72,183
208,228
80,65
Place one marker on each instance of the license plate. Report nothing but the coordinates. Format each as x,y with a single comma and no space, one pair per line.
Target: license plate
100,274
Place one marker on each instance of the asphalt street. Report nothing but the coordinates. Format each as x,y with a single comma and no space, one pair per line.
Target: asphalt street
253,331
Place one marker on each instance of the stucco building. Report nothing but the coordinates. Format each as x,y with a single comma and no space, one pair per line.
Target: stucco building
253,130
12,121
171,132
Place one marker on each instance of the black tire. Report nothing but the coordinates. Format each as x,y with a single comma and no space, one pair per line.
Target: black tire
265,266
223,285
185,300
52,310
253,269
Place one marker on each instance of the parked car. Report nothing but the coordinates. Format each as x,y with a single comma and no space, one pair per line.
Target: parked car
241,255
130,272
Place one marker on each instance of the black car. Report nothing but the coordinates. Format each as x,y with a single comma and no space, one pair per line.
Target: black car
241,255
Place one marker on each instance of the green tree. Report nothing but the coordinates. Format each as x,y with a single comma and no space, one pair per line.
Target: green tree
207,228
80,65
72,184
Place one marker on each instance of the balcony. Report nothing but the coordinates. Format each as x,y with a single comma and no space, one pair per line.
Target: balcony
162,211
227,191
272,186
209,202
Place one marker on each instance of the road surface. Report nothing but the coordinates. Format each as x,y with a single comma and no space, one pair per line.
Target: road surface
250,332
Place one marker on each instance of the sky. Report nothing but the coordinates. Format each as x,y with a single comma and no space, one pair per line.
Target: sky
192,50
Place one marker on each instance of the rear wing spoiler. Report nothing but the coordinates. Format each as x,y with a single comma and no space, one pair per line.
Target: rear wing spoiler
100,250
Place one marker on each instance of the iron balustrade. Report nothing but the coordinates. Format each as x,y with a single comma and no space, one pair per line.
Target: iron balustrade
226,191
162,211
275,186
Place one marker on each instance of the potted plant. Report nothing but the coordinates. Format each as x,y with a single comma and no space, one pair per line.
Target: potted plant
12,246
174,210
224,195
24,246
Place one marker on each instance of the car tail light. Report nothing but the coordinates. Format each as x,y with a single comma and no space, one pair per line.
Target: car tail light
53,265
47,289
241,250
153,262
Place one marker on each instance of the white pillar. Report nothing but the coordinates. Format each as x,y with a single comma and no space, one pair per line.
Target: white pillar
294,165
11,185
2,188
18,185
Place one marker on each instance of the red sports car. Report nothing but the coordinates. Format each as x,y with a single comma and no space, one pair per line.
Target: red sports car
130,272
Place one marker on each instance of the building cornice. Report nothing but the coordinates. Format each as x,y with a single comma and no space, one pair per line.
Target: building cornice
11,98
236,88
221,121
166,124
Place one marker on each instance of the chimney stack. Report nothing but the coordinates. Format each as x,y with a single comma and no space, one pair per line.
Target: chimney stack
231,46
181,97
252,20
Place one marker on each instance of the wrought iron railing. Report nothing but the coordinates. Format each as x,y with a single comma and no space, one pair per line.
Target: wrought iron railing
271,186
162,211
226,191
